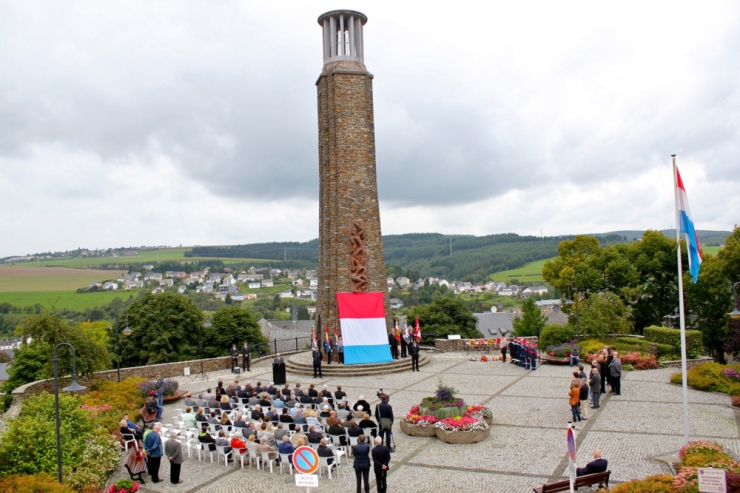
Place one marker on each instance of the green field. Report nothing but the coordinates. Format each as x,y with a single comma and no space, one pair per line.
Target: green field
710,249
65,299
531,272
143,257
15,278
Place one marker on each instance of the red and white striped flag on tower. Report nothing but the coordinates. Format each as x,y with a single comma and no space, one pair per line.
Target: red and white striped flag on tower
417,331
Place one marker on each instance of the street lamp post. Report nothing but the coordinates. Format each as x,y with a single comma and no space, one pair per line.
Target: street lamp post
73,387
735,313
126,332
578,320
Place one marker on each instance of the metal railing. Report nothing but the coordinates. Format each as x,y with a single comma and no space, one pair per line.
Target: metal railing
281,346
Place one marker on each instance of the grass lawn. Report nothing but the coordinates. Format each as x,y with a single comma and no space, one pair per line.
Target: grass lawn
15,278
65,299
144,256
531,272
710,249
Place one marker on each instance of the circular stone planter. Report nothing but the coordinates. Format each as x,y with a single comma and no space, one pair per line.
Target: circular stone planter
464,437
488,420
553,360
416,430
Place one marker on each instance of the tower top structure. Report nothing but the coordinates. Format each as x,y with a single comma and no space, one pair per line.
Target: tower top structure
343,39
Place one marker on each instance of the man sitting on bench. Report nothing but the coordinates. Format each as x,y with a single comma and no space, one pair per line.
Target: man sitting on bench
596,465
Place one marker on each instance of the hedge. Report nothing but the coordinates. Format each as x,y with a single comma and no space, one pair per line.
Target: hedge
552,335
665,335
645,346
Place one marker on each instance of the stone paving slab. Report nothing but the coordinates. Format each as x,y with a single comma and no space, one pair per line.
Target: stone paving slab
530,411
654,391
470,384
661,375
666,418
528,451
550,387
444,480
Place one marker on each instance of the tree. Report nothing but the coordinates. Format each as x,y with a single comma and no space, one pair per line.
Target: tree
442,317
531,318
228,300
604,313
231,325
303,313
165,328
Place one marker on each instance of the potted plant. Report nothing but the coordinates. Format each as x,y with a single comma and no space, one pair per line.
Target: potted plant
462,429
124,486
418,425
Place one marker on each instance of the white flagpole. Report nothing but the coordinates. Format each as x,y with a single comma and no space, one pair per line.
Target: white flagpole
681,309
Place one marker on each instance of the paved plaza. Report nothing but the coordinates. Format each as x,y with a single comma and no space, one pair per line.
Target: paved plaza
639,431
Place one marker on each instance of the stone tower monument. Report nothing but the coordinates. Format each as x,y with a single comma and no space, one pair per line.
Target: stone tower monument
350,241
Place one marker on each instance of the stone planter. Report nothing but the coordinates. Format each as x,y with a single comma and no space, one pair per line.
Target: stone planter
172,398
444,412
463,437
554,360
488,420
416,430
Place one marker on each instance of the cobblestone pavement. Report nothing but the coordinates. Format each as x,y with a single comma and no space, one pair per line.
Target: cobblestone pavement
637,431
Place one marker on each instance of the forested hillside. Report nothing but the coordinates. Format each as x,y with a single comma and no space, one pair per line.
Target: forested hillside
464,257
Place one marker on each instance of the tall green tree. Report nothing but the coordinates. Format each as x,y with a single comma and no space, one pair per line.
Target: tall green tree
444,316
165,328
531,318
604,313
231,325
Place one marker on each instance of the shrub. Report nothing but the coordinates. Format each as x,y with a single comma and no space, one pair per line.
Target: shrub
562,350
552,335
118,397
639,361
712,377
623,344
627,367
700,453
666,335
651,484
35,483
99,460
591,346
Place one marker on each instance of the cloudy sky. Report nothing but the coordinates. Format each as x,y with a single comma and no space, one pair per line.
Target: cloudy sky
194,122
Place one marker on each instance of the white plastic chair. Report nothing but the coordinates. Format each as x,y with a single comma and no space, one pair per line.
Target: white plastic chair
352,443
128,439
254,455
284,459
195,444
222,453
266,458
324,464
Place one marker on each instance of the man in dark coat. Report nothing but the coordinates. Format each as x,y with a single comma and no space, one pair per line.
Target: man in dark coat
414,352
361,452
394,345
234,357
504,347
381,461
246,357
384,415
316,355
596,465
327,347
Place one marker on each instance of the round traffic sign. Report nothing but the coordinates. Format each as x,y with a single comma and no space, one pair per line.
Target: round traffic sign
571,444
305,460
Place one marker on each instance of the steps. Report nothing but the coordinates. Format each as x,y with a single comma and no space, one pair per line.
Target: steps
301,365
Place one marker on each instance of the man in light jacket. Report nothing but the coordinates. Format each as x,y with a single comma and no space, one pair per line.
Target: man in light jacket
173,451
615,371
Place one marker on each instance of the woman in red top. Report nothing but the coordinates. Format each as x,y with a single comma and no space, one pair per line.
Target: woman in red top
575,400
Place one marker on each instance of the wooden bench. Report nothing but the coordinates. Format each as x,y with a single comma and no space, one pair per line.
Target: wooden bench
146,417
564,485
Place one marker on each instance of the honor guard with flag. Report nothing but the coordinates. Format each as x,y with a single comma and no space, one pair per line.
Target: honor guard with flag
316,355
327,345
417,331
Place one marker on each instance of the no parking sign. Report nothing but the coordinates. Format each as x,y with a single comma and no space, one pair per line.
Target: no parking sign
305,460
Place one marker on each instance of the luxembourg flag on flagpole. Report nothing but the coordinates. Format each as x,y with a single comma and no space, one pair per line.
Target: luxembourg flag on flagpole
362,318
687,228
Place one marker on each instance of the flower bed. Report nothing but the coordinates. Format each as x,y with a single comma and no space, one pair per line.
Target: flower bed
170,387
469,426
443,404
462,429
712,377
480,412
124,486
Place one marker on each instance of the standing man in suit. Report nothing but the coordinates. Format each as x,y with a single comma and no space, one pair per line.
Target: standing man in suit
596,465
394,345
234,357
384,415
316,354
414,352
404,343
381,463
340,350
246,357
361,452
327,346
615,371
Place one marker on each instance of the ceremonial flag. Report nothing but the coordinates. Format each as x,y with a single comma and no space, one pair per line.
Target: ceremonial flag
314,344
406,331
326,332
417,331
364,332
687,228
398,332
336,335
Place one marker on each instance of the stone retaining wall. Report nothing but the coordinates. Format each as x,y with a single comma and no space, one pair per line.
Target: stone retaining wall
167,370
462,344
690,363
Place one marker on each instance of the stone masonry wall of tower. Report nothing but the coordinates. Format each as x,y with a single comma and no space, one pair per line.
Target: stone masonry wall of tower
348,186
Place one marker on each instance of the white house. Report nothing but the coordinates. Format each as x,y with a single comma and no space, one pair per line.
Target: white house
182,289
313,282
396,303
275,272
133,284
298,282
443,282
311,310
158,290
166,282
110,286
152,276
286,294
403,281
254,285
226,289
267,283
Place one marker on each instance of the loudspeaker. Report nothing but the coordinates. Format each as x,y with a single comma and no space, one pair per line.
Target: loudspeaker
200,347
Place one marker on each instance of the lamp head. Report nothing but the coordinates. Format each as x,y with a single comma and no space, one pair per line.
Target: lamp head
74,386
734,314
127,332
